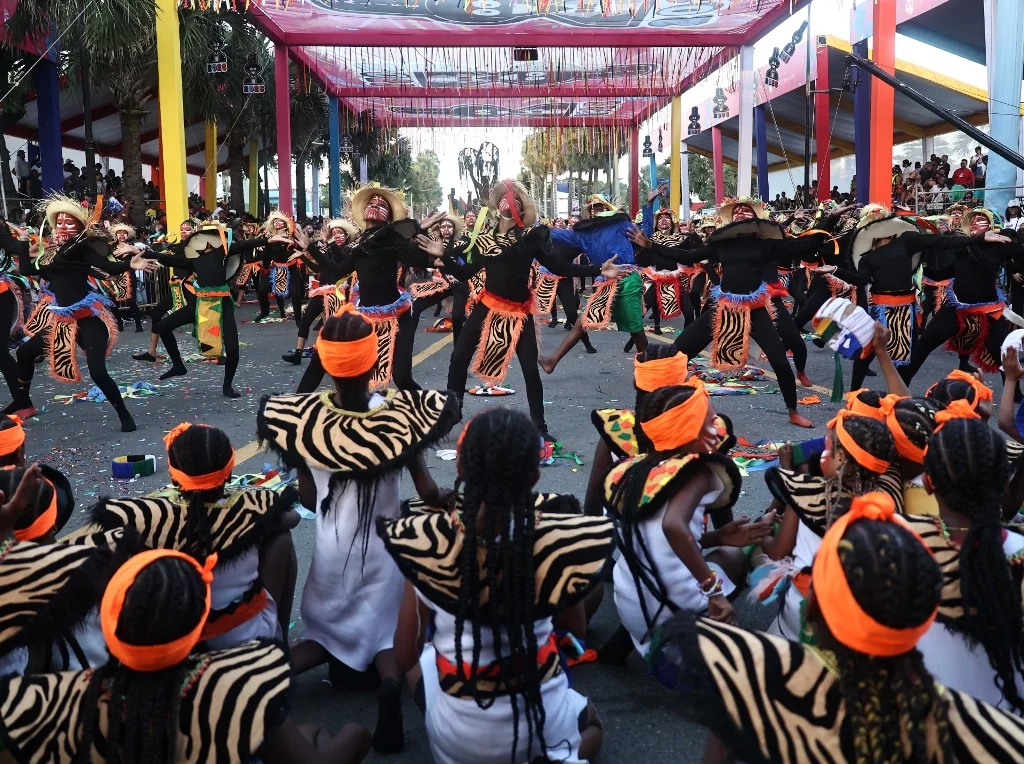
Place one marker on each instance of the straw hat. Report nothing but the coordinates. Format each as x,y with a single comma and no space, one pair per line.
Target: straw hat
350,230
57,204
268,224
122,227
995,220
529,214
361,197
209,233
457,221
728,205
876,222
601,201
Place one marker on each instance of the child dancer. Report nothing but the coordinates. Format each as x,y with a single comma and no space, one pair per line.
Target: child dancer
350,446
494,573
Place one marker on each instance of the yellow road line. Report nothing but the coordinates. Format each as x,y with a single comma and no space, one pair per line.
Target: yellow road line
251,450
767,373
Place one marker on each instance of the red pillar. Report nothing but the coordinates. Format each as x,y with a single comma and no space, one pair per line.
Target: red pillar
282,100
634,171
716,160
882,101
822,122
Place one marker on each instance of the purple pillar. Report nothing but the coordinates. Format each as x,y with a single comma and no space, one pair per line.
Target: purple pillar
761,138
48,103
862,127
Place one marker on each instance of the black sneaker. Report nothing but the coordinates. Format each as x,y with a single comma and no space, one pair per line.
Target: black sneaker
294,357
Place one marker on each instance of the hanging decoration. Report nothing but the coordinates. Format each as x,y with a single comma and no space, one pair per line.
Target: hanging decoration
217,61
721,109
694,126
661,145
771,77
480,167
789,49
253,84
648,152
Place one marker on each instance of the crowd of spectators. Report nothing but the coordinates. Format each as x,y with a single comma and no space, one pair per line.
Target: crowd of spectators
933,185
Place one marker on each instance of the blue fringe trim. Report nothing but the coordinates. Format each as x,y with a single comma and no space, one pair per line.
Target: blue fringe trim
397,308
86,302
951,298
757,297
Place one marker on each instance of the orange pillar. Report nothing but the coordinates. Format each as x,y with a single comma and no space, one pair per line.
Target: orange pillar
882,98
822,122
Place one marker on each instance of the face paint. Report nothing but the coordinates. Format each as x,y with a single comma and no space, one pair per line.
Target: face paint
377,209
68,227
742,212
470,219
664,223
186,230
559,223
503,207
979,224
279,224
447,229
121,236
955,219
573,221
340,236
249,229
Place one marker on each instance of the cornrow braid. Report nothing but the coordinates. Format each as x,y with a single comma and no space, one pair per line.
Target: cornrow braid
851,478
497,458
966,462
200,450
898,583
945,391
916,417
164,603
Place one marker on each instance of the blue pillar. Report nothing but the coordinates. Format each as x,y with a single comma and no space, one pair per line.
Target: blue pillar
1005,115
761,139
654,181
862,127
48,103
334,160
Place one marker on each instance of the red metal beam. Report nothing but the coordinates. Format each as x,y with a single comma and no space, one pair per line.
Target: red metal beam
77,121
438,121
532,91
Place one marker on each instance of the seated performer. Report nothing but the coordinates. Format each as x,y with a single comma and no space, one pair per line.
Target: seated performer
862,693
350,446
495,575
69,312
156,701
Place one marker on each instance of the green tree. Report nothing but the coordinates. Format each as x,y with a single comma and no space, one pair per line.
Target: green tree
13,65
424,187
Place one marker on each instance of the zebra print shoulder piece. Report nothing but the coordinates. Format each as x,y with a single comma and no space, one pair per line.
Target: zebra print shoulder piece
569,553
1014,454
617,428
775,701
548,503
45,588
674,239
236,524
310,432
807,495
665,478
237,700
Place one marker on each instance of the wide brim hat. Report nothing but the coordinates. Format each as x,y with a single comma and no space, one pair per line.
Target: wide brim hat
706,221
757,227
122,227
728,205
361,197
456,221
268,224
529,214
58,204
876,222
348,227
995,220
1015,202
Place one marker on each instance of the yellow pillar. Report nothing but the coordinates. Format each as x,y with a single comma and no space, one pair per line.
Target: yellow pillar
172,114
210,174
254,179
675,165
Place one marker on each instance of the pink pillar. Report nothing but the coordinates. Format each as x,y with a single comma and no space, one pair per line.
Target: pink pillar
716,160
634,171
282,98
822,122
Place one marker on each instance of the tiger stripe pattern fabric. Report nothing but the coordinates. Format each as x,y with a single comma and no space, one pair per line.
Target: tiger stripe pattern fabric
776,701
235,703
730,344
60,334
54,579
309,430
970,339
598,311
499,337
545,290
570,551
280,279
900,320
121,287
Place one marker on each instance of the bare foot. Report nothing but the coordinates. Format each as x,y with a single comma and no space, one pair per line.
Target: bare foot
803,379
547,364
799,421
26,413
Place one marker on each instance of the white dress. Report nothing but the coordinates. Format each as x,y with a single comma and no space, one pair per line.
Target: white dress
958,665
231,581
679,582
787,622
350,602
460,732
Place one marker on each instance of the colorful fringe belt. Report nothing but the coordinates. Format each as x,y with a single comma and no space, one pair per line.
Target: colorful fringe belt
209,323
385,323
973,321
59,327
463,682
499,336
730,337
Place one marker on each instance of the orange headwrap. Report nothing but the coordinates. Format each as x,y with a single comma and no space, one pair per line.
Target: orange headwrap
345,360
958,409
42,524
203,482
844,616
859,455
982,392
906,447
149,657
659,372
860,408
680,424
12,438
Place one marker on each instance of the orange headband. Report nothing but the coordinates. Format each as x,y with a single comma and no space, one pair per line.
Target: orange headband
681,424
982,392
349,359
862,457
845,618
958,409
12,438
149,657
906,448
42,524
659,372
203,482
860,408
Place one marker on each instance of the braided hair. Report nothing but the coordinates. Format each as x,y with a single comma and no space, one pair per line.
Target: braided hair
966,463
916,417
653,353
200,450
897,583
851,478
945,391
349,327
625,501
498,456
165,602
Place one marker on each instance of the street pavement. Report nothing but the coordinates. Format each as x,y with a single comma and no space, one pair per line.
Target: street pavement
642,721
